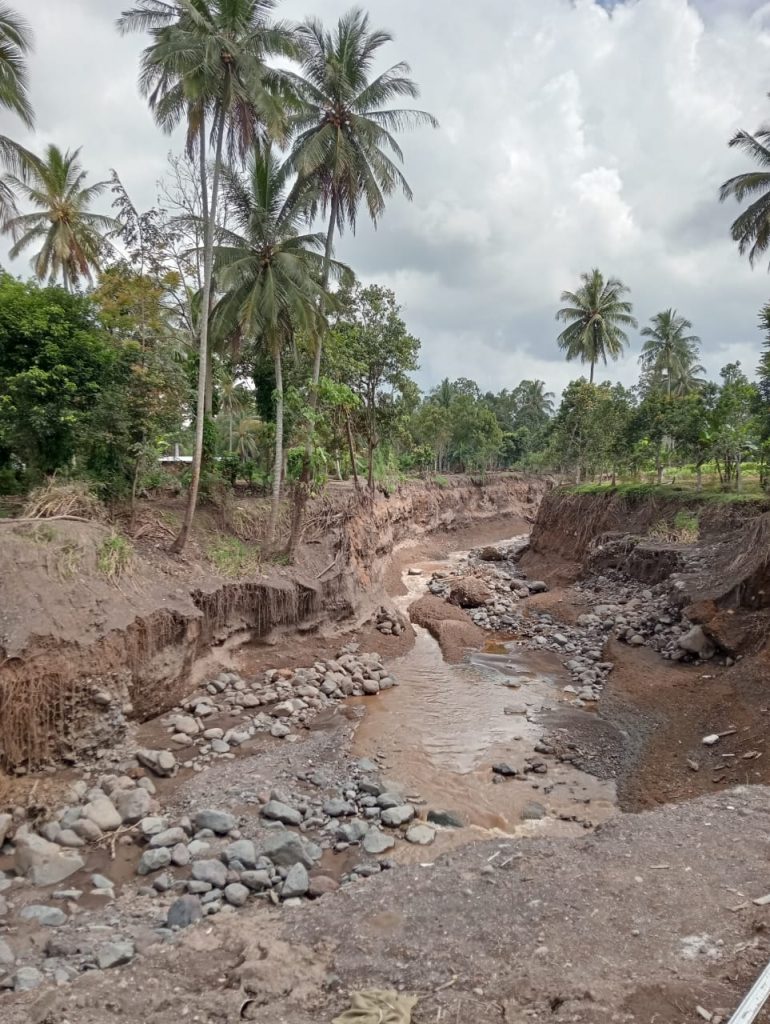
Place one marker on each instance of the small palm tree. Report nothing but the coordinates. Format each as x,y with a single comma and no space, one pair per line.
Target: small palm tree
534,403
71,238
596,316
15,44
670,353
344,135
751,229
269,273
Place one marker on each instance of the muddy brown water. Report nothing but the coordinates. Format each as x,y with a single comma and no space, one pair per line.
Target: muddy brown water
440,731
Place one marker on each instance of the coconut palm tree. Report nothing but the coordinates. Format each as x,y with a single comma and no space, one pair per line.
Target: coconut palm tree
751,229
534,405
70,236
269,273
670,353
15,44
206,66
596,317
344,137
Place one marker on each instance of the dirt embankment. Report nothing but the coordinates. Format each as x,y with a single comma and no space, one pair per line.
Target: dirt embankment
81,653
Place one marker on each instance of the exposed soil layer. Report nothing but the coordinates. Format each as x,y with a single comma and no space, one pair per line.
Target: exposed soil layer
81,653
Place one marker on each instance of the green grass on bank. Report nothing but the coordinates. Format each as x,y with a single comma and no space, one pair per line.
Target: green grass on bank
636,492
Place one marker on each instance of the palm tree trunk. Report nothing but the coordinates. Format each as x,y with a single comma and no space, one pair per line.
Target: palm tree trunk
200,414
352,448
205,213
278,461
591,378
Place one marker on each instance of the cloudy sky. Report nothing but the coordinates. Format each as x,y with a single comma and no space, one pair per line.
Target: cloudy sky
574,133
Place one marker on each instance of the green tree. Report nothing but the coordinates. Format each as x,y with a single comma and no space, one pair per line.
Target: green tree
206,66
670,354
15,45
578,434
70,236
372,352
751,229
735,426
596,317
269,273
344,139
54,365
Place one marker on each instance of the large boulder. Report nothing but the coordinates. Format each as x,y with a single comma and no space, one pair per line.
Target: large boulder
470,593
696,642
45,863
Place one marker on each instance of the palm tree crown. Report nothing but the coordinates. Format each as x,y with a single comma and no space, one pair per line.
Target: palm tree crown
15,44
345,131
670,353
71,238
751,229
596,317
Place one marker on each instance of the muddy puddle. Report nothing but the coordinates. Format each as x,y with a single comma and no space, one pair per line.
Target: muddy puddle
441,730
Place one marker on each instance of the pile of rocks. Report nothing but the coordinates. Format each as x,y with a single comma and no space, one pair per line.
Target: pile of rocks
389,623
278,702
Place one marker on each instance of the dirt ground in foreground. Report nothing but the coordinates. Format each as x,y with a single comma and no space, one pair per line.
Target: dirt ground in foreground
644,920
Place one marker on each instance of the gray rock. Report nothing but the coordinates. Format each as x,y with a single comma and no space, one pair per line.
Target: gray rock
257,881
160,762
237,894
104,813
27,978
297,882
420,835
505,770
395,816
180,855
220,822
51,917
286,848
376,842
696,642
153,860
198,888
243,851
133,805
6,954
536,586
353,831
212,871
446,818
386,800
337,808
169,837
114,954
101,882
277,811
367,765
184,912
45,863
198,849
533,812
69,838
152,825
162,883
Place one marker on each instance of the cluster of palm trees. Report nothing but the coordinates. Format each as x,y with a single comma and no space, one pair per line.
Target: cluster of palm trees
280,143
598,318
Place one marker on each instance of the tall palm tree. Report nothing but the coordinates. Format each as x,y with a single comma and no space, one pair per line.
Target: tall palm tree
206,66
71,238
596,317
534,403
15,45
751,229
344,137
670,352
269,273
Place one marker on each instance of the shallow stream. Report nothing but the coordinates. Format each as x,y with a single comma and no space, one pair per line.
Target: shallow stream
441,730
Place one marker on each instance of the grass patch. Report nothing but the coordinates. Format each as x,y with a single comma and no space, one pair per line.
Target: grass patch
232,557
115,557
440,481
644,492
68,560
685,528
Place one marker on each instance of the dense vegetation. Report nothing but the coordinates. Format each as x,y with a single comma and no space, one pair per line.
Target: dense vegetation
220,322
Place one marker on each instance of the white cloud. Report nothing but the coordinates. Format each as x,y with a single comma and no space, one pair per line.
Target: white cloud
570,139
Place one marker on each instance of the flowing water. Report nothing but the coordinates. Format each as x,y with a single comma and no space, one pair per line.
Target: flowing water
441,730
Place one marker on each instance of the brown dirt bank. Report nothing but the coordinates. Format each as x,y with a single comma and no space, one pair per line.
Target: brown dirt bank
79,653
